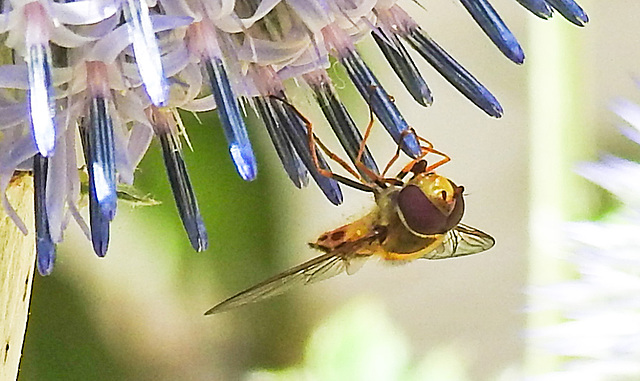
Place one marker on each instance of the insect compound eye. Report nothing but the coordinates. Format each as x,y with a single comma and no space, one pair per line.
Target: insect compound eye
422,216
419,213
458,210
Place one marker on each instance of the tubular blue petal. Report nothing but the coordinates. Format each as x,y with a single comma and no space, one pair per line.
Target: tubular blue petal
380,102
403,65
453,72
232,122
146,51
290,122
45,248
183,193
571,11
290,160
495,28
101,155
538,7
41,99
99,224
98,221
343,126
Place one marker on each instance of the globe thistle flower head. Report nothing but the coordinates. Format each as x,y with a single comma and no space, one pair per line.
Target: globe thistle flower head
116,72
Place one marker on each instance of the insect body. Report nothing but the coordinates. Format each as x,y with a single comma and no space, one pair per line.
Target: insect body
416,219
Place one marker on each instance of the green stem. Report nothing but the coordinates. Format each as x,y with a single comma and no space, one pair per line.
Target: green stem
561,136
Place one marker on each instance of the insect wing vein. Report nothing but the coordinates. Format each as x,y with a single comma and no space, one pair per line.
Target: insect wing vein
325,270
471,240
462,240
319,268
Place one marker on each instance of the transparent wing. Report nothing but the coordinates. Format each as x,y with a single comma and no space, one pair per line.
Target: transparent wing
348,257
317,269
462,240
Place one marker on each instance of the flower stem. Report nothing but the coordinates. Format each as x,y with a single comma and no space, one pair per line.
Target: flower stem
560,137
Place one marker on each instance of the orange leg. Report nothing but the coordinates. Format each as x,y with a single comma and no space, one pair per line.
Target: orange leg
330,154
363,145
445,158
412,166
312,140
381,179
399,148
418,165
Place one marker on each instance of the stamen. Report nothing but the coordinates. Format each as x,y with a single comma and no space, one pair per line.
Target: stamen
403,65
491,23
45,248
570,11
146,51
42,107
338,117
539,8
290,160
296,129
183,193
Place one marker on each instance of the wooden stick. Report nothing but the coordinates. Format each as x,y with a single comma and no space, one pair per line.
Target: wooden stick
17,260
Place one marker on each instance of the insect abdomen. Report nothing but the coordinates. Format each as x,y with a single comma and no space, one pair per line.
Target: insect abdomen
350,234
330,241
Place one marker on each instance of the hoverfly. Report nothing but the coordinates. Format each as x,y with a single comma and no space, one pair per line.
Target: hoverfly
419,218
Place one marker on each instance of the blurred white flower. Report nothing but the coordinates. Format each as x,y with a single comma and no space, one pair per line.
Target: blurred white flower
600,337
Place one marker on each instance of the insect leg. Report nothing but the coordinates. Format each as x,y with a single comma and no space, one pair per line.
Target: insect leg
344,180
363,146
380,180
418,165
445,158
313,139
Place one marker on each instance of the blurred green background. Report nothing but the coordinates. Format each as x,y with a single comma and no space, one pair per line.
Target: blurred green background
137,314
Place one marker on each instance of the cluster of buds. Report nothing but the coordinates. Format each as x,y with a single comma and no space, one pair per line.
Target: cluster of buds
103,77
